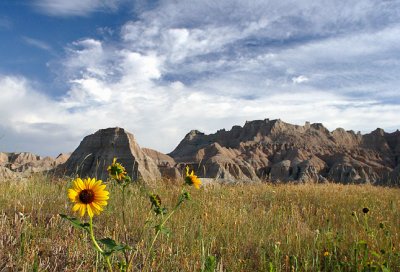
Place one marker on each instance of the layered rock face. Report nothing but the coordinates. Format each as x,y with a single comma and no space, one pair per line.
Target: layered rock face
22,164
166,164
278,151
97,151
270,150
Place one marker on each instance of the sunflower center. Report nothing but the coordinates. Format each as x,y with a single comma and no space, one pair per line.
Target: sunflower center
188,180
86,196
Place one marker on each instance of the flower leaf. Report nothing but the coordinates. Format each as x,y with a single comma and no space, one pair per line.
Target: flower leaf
108,242
112,246
75,222
210,264
184,196
162,229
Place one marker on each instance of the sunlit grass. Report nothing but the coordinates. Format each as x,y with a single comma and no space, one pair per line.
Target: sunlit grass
248,227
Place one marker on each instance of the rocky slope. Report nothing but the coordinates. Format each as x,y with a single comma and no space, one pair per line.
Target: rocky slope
97,151
261,150
14,165
166,164
277,151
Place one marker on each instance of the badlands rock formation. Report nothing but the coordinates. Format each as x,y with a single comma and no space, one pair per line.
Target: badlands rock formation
166,164
97,151
261,150
277,151
22,164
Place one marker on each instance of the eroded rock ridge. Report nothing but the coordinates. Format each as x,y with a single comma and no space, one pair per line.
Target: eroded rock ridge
261,150
277,151
23,164
96,152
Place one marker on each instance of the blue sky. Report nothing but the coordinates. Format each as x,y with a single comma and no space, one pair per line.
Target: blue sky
162,68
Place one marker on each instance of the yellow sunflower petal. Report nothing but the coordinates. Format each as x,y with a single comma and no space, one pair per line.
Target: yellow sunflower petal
76,207
96,185
101,202
102,193
99,188
90,202
96,207
91,183
95,211
82,184
82,209
196,182
89,210
72,194
86,181
78,185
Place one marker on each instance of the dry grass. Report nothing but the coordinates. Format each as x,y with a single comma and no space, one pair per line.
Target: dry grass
249,227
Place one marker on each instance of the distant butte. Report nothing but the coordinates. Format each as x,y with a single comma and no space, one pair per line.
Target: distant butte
261,150
275,151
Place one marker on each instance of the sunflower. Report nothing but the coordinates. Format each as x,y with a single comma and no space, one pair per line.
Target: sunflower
365,210
88,195
155,200
116,170
192,179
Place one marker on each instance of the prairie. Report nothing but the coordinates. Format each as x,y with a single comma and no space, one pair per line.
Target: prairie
240,227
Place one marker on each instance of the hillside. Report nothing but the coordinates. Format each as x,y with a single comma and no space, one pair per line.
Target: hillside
261,150
278,151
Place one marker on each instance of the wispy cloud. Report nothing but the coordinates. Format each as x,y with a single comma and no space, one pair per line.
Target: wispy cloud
37,43
5,23
76,7
210,65
300,79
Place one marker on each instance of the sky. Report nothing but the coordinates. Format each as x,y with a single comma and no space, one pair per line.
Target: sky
162,68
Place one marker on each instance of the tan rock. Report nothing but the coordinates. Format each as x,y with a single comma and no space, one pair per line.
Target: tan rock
24,163
275,150
3,158
97,151
62,158
166,164
7,174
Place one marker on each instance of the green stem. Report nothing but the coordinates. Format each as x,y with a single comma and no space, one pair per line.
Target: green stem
128,260
96,245
158,232
151,247
123,206
133,255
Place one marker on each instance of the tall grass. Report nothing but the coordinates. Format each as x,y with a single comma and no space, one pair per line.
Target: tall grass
245,227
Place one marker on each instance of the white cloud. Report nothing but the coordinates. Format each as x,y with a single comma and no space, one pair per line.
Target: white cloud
37,43
88,90
17,99
300,79
209,65
76,7
139,68
168,112
86,57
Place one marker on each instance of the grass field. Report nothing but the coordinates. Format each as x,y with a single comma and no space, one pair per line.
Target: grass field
248,227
